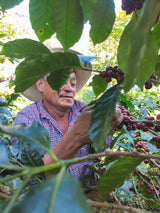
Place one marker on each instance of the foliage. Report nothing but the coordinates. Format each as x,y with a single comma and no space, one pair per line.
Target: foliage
137,56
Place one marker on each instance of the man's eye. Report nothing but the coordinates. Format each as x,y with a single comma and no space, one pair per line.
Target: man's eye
73,85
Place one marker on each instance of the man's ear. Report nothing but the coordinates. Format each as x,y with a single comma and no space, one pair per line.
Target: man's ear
40,85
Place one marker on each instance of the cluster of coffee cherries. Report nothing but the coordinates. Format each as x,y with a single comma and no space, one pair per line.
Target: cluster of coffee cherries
148,124
131,5
2,79
140,145
112,72
149,82
150,188
146,182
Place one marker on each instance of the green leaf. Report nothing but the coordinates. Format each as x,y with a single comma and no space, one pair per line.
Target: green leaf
67,20
101,117
5,111
157,68
125,44
117,174
34,133
3,35
40,17
99,84
148,62
156,32
4,154
24,48
31,156
139,39
57,194
87,7
9,4
56,78
27,75
102,20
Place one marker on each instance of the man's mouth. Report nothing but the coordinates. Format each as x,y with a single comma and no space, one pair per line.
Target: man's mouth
63,96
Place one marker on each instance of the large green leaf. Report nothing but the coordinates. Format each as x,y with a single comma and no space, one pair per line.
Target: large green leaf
58,78
24,48
102,20
139,39
98,84
67,20
31,156
40,17
59,194
148,62
101,117
30,71
157,68
87,7
7,4
125,44
4,154
34,133
156,32
117,173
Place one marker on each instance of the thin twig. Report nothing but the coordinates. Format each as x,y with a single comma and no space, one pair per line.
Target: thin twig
155,81
117,207
137,194
109,153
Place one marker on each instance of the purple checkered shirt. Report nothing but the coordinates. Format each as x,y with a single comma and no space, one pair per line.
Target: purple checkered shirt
37,112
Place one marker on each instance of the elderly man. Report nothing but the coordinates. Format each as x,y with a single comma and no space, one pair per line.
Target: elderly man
61,115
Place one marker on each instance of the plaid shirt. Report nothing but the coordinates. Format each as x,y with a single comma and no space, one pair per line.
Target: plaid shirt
36,112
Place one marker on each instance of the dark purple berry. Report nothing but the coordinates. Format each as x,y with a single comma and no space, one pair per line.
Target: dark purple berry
148,84
103,74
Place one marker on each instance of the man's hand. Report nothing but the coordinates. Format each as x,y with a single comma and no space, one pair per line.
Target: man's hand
117,118
81,126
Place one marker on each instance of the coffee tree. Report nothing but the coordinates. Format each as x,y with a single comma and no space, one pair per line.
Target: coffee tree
129,173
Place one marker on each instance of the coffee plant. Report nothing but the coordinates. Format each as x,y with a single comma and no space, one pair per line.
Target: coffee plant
125,177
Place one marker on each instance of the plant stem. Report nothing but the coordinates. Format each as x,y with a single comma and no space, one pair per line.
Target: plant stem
58,182
12,201
110,206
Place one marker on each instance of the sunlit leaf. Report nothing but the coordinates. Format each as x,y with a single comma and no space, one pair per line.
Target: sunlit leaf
40,17
59,77
98,84
125,44
148,62
9,4
87,7
101,117
24,48
27,75
156,32
139,39
102,20
67,19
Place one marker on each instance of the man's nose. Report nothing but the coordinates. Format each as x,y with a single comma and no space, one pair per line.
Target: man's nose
67,87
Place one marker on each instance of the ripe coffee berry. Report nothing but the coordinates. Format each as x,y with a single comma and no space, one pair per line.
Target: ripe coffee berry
141,183
148,84
103,74
149,191
146,161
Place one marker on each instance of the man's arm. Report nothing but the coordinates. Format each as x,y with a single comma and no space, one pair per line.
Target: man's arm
78,136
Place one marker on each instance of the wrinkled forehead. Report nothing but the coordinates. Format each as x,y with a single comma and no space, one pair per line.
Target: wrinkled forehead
73,76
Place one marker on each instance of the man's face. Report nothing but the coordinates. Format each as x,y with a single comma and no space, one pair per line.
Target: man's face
65,98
